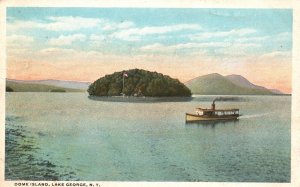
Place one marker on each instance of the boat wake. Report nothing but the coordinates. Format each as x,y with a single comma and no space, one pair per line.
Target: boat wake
254,116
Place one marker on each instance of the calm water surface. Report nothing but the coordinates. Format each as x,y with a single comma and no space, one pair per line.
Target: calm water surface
66,136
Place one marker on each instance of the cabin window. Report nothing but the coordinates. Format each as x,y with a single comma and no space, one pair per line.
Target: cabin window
209,113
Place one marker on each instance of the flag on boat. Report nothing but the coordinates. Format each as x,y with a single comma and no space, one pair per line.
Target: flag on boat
125,74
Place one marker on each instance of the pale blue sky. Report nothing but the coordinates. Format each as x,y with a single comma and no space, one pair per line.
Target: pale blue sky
195,26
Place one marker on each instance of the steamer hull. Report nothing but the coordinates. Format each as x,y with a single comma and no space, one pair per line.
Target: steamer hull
195,117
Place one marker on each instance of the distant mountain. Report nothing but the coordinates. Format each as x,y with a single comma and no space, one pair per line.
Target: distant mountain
216,84
243,82
24,86
59,83
275,91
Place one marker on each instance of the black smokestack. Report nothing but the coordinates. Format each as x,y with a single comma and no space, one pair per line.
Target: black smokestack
213,106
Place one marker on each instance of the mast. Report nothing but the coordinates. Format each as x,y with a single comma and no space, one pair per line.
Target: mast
213,106
123,84
124,75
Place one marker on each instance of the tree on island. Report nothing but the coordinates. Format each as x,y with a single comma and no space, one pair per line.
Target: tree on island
138,82
58,90
9,89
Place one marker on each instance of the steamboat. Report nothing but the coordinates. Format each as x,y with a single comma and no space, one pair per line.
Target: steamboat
212,114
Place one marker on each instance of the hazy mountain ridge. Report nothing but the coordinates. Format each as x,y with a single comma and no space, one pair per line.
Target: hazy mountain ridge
24,86
58,83
275,91
216,84
242,82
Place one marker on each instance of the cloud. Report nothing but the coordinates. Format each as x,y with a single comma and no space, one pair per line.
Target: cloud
125,30
277,54
58,54
66,55
17,25
283,37
168,48
97,40
252,39
125,25
135,34
67,23
219,48
154,47
70,23
19,44
221,34
238,49
110,25
75,23
56,51
19,39
67,39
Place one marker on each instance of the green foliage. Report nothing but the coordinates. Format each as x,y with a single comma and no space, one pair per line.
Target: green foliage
9,89
138,83
58,90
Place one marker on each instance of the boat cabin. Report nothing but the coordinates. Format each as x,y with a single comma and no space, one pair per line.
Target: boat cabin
214,112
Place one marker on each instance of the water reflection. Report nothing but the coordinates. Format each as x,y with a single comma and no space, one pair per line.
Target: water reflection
21,160
211,124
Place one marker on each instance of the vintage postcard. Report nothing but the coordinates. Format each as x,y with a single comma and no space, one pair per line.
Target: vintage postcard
97,95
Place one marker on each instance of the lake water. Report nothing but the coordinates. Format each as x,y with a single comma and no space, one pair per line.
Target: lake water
66,136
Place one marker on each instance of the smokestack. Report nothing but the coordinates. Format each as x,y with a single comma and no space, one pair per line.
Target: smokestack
213,106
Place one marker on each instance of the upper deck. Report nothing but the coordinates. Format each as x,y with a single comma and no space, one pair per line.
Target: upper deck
218,110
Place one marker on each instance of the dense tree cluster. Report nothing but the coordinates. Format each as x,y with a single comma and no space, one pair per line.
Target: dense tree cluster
138,83
9,89
58,90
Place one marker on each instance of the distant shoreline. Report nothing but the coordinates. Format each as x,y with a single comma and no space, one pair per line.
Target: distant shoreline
83,91
243,94
139,99
132,99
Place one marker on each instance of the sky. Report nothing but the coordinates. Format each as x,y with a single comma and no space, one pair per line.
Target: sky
84,44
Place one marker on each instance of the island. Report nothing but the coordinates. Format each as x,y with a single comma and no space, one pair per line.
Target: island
138,82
